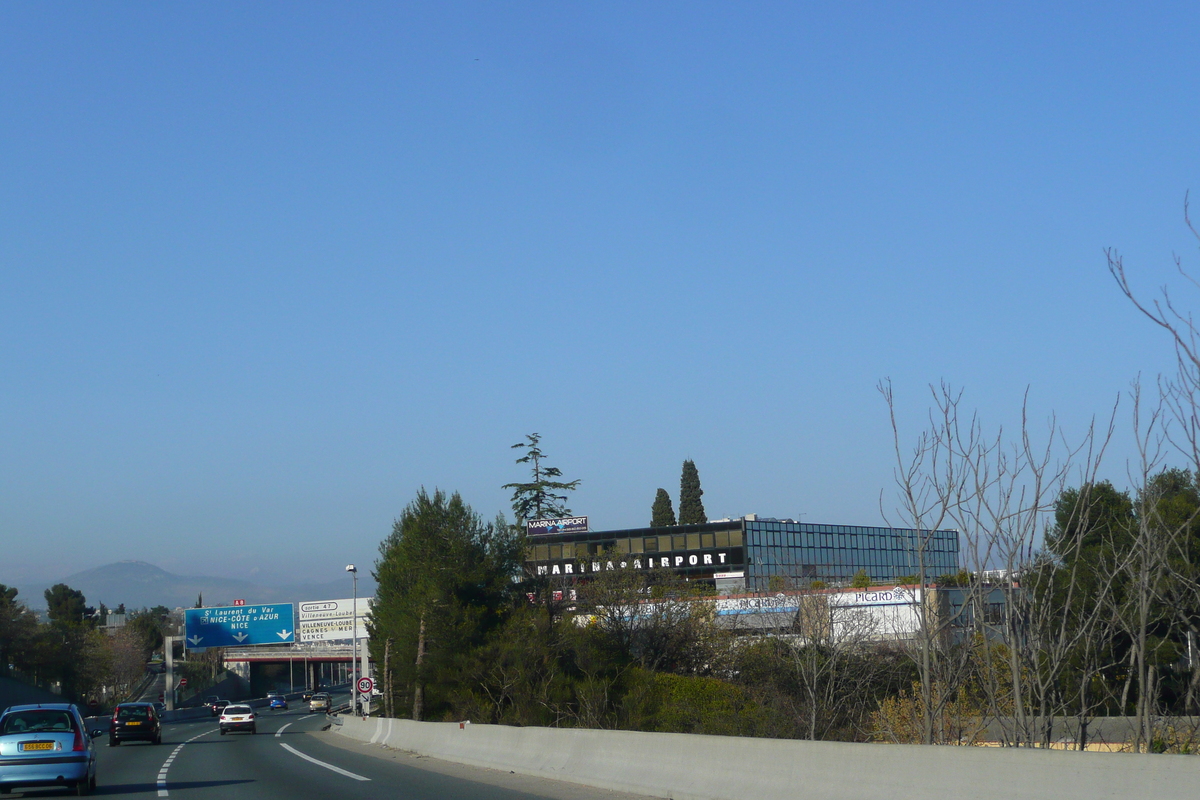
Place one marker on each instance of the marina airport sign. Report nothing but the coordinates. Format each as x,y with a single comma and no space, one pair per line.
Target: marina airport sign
541,527
238,626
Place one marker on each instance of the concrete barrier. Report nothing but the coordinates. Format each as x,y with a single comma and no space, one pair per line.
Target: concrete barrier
691,767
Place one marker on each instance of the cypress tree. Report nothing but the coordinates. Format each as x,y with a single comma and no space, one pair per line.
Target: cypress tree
691,508
662,515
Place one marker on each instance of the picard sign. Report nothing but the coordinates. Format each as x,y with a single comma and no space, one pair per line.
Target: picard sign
543,527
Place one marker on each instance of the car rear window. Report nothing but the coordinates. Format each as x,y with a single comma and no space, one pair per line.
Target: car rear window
237,709
38,720
133,712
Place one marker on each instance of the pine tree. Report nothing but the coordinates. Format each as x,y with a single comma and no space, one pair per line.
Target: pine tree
444,578
538,499
691,508
662,515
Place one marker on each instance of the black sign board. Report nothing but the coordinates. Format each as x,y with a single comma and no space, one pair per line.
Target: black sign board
541,527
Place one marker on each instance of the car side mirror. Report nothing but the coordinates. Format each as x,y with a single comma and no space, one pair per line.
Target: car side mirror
95,733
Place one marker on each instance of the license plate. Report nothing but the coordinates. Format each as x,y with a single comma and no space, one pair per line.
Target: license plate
131,724
27,746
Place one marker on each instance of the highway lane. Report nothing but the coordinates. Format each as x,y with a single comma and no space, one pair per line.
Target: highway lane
289,757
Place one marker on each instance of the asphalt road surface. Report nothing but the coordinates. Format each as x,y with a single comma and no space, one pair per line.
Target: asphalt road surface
290,757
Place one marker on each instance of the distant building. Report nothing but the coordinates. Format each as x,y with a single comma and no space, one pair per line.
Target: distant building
751,554
113,622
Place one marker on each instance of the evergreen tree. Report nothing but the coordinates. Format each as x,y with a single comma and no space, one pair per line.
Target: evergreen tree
445,578
18,630
66,605
662,515
78,660
691,508
540,498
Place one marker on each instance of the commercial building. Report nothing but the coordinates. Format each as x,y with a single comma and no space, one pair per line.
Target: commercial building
874,614
750,554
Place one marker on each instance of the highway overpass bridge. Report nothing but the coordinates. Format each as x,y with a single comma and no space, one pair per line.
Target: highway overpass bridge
291,667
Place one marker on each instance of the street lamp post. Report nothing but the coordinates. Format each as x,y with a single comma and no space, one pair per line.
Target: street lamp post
354,637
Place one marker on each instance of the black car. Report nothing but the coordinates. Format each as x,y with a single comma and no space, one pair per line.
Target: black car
215,705
135,722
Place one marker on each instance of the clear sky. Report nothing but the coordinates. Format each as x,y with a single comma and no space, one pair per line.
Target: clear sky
266,269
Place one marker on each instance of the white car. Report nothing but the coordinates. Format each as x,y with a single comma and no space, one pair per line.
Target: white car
237,718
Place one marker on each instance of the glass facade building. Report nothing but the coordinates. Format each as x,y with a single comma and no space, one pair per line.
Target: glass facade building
746,554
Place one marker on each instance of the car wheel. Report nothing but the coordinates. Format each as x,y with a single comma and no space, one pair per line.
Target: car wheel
222,731
113,741
92,783
253,731
83,788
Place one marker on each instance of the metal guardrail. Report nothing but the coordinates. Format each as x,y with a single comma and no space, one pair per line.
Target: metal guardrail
143,684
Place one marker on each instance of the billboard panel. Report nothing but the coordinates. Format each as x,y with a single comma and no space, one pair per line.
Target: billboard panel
540,527
331,620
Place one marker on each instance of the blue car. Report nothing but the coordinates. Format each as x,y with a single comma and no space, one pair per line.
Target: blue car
46,745
278,701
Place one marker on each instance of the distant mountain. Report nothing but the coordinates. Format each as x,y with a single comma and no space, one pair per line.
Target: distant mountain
138,584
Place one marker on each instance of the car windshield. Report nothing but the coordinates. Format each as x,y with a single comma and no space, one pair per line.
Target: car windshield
37,720
133,712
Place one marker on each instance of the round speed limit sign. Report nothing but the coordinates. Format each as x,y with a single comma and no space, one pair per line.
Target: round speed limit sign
365,685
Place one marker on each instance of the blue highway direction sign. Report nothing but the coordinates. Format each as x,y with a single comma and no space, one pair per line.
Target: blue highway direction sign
238,626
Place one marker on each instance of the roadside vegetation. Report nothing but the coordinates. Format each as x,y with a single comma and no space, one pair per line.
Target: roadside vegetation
70,652
1078,600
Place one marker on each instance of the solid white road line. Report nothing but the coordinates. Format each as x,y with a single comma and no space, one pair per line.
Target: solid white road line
320,763
310,716
279,732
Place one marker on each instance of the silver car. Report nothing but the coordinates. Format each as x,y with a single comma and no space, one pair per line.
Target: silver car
46,745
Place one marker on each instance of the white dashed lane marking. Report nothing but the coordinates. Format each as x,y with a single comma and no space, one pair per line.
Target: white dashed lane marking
162,773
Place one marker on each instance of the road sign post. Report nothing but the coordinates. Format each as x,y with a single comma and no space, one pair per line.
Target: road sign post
169,657
365,685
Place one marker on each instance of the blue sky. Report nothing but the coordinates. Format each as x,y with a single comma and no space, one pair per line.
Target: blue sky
267,269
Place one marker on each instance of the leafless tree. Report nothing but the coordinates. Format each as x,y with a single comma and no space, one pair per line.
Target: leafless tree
1165,554
932,478
126,660
652,616
997,490
832,651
